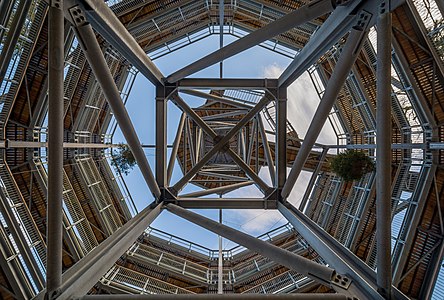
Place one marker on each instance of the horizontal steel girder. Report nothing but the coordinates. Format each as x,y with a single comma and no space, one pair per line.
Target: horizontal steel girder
225,203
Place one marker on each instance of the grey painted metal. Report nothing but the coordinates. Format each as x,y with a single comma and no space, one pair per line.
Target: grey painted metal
54,230
262,185
281,138
218,190
216,296
315,271
221,143
102,73
338,24
175,149
432,272
383,151
20,241
313,178
340,73
109,26
81,277
29,144
13,35
11,268
226,203
297,17
334,253
161,136
267,150
226,83
216,98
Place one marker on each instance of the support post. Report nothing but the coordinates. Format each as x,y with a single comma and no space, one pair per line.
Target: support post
315,271
281,138
175,148
383,151
161,136
103,75
340,73
54,235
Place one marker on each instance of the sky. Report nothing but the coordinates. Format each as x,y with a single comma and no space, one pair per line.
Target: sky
256,62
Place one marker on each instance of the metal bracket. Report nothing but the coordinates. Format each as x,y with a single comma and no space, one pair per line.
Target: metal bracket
341,281
78,16
363,21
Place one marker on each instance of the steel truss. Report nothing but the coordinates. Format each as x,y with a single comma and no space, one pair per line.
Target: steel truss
235,130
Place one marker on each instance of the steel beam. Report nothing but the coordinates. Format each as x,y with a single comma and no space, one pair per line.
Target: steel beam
175,148
315,271
313,178
216,98
94,55
281,138
383,151
335,254
319,296
10,43
267,151
221,143
218,190
338,24
161,136
28,144
340,73
226,83
297,17
54,230
225,203
81,277
109,26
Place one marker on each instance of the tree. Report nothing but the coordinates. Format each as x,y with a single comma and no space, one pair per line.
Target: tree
352,165
123,161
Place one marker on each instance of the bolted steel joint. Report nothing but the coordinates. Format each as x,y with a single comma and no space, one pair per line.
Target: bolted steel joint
341,281
78,16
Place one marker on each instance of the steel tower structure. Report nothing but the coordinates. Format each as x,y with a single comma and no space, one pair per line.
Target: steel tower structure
68,229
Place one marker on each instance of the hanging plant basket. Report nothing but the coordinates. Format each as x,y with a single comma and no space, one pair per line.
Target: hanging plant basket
123,161
352,165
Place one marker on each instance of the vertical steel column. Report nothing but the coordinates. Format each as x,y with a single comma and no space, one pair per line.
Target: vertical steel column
340,73
383,151
55,149
281,138
220,262
161,136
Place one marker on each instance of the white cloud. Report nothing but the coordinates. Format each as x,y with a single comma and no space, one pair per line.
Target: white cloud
303,101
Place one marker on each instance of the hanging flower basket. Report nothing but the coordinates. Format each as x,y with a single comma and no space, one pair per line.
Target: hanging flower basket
352,165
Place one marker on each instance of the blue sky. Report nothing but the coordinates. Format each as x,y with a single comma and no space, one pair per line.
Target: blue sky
256,62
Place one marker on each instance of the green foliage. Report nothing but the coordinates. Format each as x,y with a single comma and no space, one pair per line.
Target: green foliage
352,165
123,160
